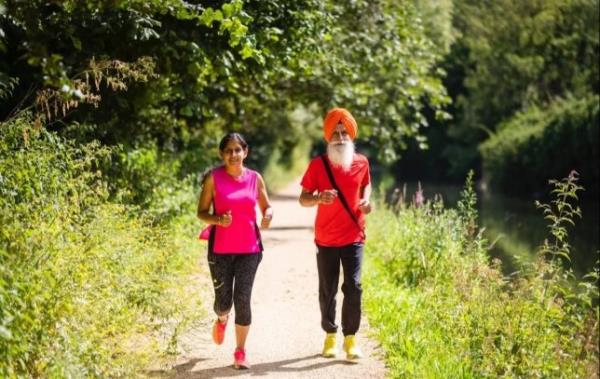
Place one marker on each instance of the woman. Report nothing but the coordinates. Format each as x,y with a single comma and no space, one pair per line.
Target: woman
234,247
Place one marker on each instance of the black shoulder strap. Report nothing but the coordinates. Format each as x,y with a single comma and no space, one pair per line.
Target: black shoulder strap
341,194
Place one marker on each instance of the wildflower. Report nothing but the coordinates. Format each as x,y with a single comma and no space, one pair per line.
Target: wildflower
419,199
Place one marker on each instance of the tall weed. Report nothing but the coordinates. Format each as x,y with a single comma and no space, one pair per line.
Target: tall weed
441,310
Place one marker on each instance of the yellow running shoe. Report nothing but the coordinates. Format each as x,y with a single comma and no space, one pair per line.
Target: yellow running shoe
330,347
352,351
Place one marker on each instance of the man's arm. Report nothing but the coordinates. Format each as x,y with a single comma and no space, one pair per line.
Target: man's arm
310,199
366,192
365,201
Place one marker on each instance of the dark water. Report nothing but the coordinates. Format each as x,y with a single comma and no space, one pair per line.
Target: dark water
516,228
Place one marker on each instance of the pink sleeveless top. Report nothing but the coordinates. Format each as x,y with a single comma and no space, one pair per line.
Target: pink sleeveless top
237,195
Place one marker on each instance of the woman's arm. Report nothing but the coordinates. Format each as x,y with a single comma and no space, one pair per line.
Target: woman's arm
205,201
264,204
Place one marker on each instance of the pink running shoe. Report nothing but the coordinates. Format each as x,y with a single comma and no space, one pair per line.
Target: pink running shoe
218,331
239,360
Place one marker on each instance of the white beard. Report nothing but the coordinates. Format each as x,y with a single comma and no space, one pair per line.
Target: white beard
341,154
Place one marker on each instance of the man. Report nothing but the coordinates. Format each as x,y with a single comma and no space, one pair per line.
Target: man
339,226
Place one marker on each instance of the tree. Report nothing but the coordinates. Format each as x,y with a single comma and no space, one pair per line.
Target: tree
194,69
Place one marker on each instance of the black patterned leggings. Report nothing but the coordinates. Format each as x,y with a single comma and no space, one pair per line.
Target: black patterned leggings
233,278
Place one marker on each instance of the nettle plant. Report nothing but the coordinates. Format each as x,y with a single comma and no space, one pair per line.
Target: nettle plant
467,205
561,213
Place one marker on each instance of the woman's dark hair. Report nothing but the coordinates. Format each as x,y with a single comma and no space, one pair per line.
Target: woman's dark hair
233,137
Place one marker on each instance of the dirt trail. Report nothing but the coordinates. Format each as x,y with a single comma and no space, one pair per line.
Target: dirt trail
285,338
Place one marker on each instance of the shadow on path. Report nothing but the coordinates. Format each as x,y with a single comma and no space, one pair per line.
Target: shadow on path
299,227
184,370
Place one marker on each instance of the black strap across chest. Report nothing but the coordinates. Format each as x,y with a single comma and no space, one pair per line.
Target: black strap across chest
341,194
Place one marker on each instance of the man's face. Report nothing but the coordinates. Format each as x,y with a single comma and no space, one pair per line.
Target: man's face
340,148
340,135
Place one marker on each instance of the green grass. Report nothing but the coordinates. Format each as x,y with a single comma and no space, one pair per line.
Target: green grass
440,309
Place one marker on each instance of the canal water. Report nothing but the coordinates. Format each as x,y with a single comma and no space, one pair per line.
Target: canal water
517,228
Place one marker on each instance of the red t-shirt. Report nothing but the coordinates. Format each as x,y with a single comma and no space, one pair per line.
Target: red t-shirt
333,225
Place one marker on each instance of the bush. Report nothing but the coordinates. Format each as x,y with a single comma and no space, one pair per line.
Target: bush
87,286
540,144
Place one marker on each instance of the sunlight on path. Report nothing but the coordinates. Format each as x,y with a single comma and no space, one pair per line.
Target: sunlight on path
285,338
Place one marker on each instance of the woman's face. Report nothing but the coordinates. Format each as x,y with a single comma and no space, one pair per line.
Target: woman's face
233,154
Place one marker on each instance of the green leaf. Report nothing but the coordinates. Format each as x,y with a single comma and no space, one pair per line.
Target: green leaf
227,10
5,333
247,51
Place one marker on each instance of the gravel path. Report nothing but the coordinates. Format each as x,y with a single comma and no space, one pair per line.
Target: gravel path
285,338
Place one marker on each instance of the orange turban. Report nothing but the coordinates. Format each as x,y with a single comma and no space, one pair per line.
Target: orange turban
336,116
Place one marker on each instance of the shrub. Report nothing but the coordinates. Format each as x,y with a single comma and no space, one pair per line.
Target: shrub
88,287
545,143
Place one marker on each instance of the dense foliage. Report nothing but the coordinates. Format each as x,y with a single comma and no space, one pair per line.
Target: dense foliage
524,53
535,144
440,309
196,69
506,58
82,282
